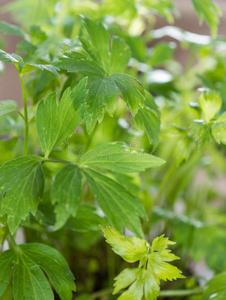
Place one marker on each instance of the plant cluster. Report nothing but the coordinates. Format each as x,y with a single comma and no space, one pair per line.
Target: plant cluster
113,138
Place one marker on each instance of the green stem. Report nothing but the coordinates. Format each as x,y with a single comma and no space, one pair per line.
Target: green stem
25,116
13,241
179,293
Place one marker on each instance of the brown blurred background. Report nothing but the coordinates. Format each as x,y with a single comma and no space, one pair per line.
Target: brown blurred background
9,82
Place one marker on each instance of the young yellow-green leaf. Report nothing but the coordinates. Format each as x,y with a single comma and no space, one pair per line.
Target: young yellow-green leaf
55,122
148,119
131,91
209,11
102,95
201,133
159,257
29,281
216,288
219,129
66,193
131,249
7,106
13,30
31,67
118,157
120,207
7,58
143,285
153,265
21,188
210,103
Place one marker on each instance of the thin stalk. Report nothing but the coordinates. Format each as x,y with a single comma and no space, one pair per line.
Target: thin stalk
12,240
180,293
25,116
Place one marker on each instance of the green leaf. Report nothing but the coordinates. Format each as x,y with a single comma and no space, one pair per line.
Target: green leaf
118,157
153,264
209,11
66,192
13,30
143,284
216,288
219,129
6,150
31,67
29,281
55,122
75,61
21,188
120,207
102,94
210,103
7,106
131,249
131,91
7,58
148,119
201,133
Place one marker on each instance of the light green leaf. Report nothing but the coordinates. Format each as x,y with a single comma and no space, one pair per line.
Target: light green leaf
118,157
210,103
120,207
102,95
216,288
131,249
201,133
7,106
29,281
21,188
13,30
148,119
7,58
219,129
159,257
66,193
143,284
75,61
209,11
31,67
131,91
55,122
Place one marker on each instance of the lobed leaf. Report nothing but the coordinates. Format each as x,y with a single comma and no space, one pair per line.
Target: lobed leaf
55,122
219,129
31,67
120,207
118,157
29,281
21,188
66,193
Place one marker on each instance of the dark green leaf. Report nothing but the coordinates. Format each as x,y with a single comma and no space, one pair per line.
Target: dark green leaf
21,188
101,94
131,91
56,122
121,207
31,67
7,58
120,158
66,193
148,119
216,288
29,281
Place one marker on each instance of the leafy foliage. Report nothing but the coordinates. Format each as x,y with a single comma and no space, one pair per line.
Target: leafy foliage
154,260
29,279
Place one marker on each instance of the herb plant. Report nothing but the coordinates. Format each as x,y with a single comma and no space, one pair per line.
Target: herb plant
111,140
